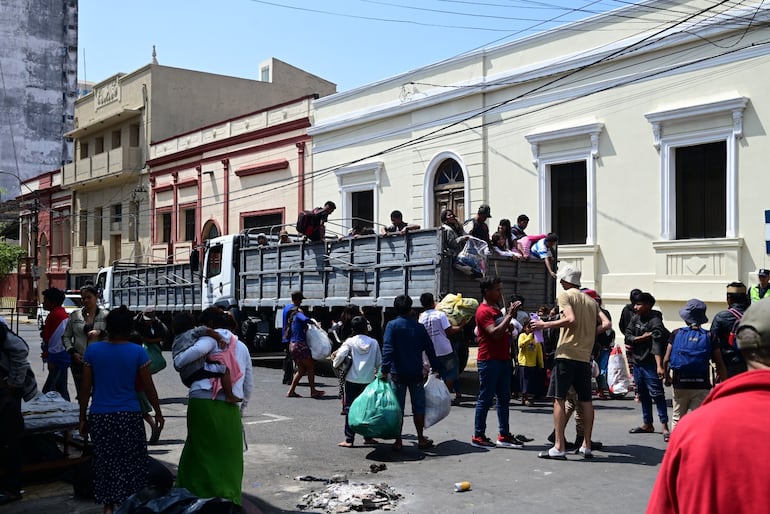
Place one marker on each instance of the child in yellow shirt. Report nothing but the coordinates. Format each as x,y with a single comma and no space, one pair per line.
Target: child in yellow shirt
531,362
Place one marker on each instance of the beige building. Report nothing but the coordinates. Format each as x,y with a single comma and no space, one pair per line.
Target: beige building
115,125
637,135
243,173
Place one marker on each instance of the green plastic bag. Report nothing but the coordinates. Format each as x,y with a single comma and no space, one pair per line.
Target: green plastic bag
157,362
376,412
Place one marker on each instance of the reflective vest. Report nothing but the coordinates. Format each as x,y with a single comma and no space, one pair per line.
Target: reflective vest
754,294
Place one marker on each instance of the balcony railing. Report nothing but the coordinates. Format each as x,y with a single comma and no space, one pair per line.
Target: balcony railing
102,164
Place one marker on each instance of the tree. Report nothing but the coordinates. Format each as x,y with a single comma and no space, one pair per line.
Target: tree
9,257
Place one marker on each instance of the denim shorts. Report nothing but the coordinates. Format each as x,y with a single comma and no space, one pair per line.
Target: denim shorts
416,395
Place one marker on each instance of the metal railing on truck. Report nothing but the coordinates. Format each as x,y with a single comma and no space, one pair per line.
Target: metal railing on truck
370,271
167,287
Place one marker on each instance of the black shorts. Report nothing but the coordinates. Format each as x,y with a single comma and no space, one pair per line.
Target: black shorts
567,373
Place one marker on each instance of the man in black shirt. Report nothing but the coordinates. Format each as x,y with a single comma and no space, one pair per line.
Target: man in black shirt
723,324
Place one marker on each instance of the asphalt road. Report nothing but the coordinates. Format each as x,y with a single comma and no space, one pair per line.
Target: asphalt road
292,437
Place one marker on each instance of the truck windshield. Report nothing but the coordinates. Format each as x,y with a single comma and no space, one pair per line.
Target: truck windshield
214,261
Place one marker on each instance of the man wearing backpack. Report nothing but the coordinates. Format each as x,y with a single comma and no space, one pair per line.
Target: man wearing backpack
312,224
690,349
718,460
724,325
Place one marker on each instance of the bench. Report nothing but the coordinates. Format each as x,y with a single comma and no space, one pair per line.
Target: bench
8,305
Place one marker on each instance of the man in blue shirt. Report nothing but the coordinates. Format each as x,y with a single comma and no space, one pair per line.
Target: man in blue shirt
404,341
288,364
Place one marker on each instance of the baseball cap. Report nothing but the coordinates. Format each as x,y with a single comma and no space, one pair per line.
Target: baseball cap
762,272
485,210
757,317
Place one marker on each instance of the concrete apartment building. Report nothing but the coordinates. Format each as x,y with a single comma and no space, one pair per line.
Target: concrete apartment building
247,172
638,135
115,126
38,60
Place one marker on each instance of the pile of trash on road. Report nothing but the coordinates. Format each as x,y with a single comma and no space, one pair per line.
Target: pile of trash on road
347,497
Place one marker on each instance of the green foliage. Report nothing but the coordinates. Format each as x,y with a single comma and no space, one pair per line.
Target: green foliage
9,257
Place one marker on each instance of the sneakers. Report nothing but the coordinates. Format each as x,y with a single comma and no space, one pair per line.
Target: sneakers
508,441
482,441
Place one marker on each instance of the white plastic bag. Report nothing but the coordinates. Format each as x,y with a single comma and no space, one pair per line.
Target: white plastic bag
438,401
474,255
618,381
318,342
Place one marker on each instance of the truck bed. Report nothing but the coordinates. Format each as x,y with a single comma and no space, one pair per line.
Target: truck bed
370,271
166,287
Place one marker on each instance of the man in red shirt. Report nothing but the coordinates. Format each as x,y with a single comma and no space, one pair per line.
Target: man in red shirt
494,365
692,478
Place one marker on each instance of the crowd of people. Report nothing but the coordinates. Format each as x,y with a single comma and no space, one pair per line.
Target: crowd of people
554,353
112,357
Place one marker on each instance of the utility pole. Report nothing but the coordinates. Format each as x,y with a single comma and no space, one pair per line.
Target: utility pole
35,268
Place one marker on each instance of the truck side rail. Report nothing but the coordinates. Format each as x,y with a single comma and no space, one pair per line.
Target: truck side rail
166,287
370,271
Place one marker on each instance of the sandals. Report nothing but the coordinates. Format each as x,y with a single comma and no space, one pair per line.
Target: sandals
293,395
642,430
666,436
425,444
317,394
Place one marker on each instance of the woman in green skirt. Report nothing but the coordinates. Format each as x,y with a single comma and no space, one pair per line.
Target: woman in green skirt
211,465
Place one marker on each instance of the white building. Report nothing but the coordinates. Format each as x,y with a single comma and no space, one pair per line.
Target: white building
638,135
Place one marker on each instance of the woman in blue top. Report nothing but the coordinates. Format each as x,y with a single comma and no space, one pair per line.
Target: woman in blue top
300,352
110,374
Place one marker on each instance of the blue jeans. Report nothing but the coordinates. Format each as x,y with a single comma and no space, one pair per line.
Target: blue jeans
494,380
416,395
57,380
650,388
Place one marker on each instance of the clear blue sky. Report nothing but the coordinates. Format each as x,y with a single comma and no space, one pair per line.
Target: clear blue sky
348,42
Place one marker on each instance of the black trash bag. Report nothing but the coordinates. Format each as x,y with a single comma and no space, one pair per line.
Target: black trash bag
153,500
158,475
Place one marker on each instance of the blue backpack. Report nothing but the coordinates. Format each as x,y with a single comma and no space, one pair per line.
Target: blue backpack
691,351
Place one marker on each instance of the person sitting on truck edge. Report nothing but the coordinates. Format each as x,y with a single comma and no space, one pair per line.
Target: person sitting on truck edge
318,221
517,231
546,249
186,333
398,225
453,235
479,229
262,239
283,237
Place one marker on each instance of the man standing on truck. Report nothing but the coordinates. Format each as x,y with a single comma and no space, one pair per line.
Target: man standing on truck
494,365
479,229
313,224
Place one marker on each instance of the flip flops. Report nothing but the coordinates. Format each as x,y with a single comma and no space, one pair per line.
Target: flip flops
317,394
641,430
666,436
425,444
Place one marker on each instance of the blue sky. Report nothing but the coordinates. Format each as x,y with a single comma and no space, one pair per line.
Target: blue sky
348,42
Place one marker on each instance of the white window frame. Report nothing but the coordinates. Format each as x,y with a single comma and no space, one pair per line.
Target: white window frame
374,169
543,162
429,216
667,144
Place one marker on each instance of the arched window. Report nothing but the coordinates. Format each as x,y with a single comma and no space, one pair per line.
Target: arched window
449,188
210,230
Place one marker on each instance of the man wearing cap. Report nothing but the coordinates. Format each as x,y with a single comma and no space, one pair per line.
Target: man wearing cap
288,363
718,459
262,239
691,386
759,291
647,338
723,324
579,323
479,229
